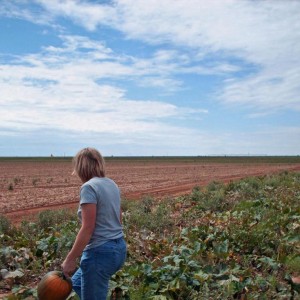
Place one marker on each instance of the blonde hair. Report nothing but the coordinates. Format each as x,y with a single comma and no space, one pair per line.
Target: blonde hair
89,163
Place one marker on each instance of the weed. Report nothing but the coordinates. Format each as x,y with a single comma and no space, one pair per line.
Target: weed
17,180
5,225
196,194
51,218
35,181
11,187
49,180
214,186
293,264
149,216
212,198
147,203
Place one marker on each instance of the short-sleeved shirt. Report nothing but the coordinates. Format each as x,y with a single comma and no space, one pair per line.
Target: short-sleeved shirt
105,193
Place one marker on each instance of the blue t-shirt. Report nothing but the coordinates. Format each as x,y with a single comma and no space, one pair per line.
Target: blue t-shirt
106,195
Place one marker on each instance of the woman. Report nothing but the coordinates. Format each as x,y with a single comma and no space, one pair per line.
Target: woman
100,240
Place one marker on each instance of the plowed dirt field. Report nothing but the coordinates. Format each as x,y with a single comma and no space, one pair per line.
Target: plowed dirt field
28,186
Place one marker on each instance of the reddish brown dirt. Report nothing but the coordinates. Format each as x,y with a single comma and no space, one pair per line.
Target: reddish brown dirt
38,185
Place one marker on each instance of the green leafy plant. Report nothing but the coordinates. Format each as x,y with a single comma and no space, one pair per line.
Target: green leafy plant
234,241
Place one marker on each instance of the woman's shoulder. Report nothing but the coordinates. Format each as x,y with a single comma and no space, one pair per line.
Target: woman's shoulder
100,180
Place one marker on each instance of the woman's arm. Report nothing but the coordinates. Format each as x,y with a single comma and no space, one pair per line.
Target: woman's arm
88,214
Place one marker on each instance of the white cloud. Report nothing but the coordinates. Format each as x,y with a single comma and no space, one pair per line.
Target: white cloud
59,88
86,14
266,34
252,30
22,10
265,91
252,45
74,43
152,81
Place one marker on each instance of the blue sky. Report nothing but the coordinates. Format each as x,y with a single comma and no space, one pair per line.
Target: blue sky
156,77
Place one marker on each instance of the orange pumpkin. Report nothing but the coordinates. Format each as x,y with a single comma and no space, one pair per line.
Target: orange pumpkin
54,286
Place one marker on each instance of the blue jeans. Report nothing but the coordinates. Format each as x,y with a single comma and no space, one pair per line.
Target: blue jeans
97,265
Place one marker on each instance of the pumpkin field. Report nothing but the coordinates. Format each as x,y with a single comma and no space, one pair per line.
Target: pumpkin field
196,228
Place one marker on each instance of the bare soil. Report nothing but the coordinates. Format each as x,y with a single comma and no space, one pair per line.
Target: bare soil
27,187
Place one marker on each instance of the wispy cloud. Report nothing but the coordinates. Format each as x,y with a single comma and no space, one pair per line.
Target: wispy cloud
58,88
266,34
83,84
265,92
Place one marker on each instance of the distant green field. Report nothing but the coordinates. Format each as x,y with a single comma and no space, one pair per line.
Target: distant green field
214,159
35,159
198,159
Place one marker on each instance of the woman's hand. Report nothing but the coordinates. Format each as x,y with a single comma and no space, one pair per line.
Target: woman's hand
69,267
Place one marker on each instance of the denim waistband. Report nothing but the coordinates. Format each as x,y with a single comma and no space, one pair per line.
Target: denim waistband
118,240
